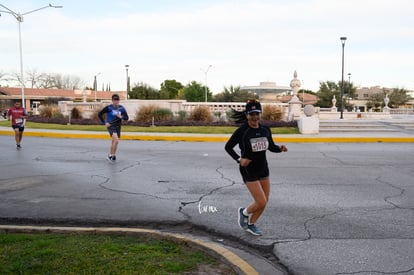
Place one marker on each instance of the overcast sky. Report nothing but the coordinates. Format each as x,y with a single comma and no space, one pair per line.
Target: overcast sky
245,41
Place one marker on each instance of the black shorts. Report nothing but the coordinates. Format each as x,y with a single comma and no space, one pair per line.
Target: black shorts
20,127
254,172
114,129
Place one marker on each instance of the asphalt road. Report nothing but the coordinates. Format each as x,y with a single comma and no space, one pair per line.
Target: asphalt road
335,208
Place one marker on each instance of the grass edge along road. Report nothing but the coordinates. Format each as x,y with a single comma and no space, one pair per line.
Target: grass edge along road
76,253
157,129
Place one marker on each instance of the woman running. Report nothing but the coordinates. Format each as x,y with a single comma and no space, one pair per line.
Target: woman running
254,140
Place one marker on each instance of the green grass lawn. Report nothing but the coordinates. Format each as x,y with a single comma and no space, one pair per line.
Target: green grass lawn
96,254
158,129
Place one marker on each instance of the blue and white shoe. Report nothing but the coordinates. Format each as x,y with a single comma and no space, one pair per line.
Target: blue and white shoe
252,229
109,158
243,219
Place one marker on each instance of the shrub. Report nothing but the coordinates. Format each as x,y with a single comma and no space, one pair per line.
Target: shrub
271,112
162,114
201,113
75,113
45,111
217,115
145,113
57,115
229,113
50,111
94,115
181,115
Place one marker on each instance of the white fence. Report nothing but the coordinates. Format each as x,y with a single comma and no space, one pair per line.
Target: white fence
219,109
402,111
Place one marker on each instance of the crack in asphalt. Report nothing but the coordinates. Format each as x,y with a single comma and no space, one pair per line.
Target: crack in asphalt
107,179
306,228
388,199
183,204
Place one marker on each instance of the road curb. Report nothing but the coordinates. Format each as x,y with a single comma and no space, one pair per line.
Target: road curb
213,249
214,138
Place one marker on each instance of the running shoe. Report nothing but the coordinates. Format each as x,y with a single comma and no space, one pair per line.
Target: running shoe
243,219
109,157
252,229
18,147
113,158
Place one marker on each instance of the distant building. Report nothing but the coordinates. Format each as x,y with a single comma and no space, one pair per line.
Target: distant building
309,98
35,97
267,91
364,93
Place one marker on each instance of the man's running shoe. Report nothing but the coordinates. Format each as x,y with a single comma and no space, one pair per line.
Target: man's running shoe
113,158
243,219
252,229
109,158
18,147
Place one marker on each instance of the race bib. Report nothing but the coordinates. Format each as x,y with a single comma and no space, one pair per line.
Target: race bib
19,120
259,144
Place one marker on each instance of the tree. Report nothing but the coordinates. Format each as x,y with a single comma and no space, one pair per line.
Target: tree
170,89
33,77
67,82
398,97
326,92
46,81
2,77
306,92
375,101
234,94
143,91
195,92
349,90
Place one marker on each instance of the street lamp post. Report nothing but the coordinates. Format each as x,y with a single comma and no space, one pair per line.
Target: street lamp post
343,39
127,82
205,80
349,87
95,83
19,18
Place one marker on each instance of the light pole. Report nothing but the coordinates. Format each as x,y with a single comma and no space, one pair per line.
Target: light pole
127,82
95,83
349,92
19,18
205,80
343,39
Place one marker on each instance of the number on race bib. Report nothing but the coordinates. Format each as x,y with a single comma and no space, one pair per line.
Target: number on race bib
259,144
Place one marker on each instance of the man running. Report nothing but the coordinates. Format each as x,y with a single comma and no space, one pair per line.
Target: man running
115,113
18,115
